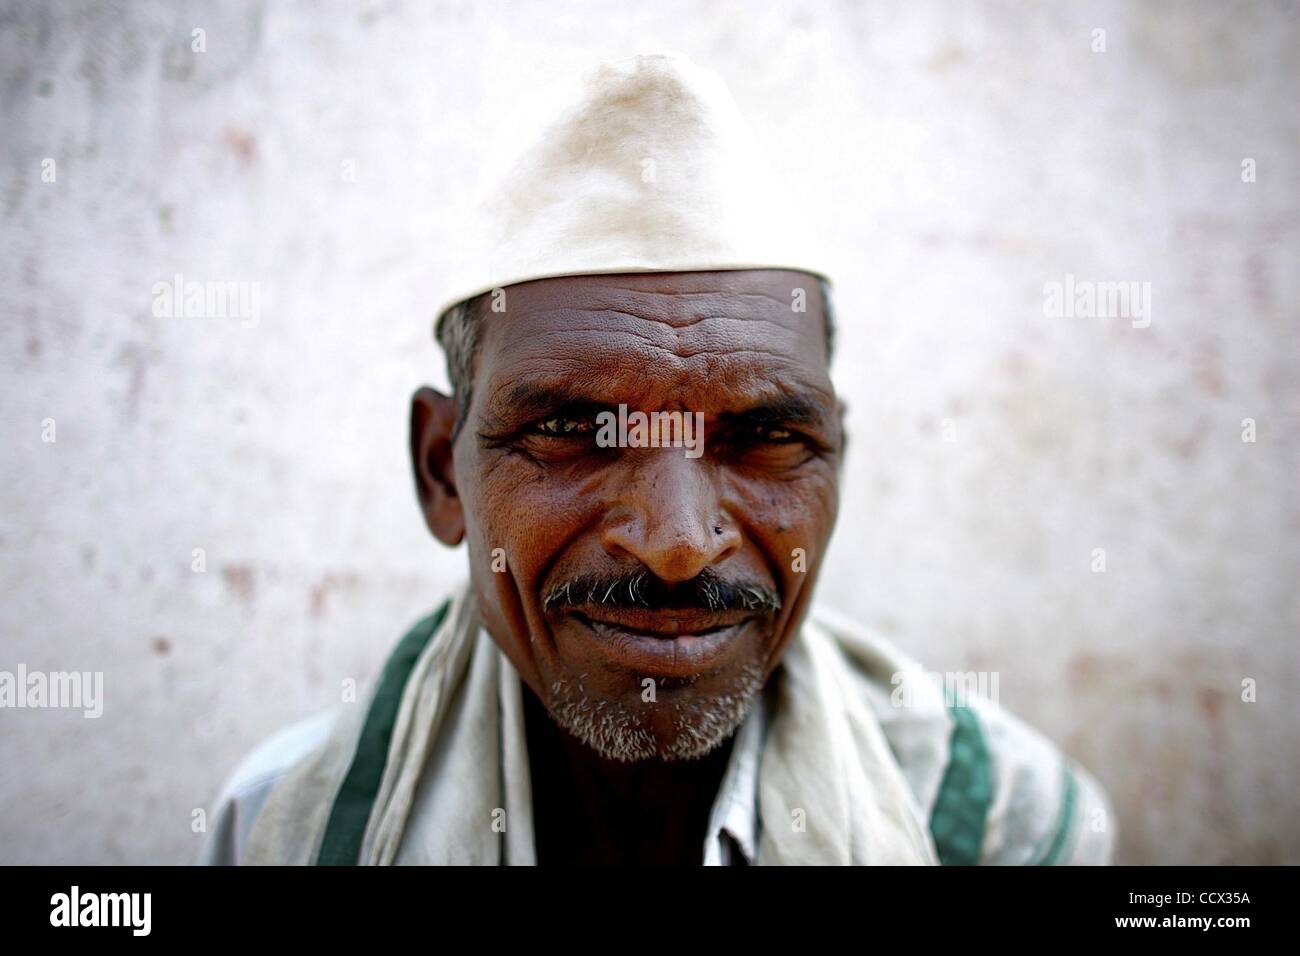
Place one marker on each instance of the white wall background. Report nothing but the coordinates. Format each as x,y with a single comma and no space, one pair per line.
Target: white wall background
958,156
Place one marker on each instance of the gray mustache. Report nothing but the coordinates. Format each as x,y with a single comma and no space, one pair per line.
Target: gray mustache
642,589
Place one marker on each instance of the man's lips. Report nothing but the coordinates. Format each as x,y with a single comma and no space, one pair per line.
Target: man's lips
670,643
661,622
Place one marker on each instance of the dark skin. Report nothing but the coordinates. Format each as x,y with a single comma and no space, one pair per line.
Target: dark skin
523,474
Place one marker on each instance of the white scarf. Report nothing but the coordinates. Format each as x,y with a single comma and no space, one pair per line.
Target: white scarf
455,787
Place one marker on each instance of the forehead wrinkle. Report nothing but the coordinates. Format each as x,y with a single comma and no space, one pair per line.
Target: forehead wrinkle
648,375
653,366
784,304
653,302
554,332
722,335
723,391
746,292
653,306
694,319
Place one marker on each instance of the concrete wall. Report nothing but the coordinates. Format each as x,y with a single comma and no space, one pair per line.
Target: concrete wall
960,157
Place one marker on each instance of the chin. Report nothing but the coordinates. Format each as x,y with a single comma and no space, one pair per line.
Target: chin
681,723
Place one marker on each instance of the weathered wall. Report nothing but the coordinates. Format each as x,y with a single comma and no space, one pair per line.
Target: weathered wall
963,155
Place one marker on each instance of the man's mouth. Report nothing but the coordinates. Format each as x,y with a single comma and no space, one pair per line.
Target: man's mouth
664,622
666,642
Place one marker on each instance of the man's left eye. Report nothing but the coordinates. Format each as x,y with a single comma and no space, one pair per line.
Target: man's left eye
562,426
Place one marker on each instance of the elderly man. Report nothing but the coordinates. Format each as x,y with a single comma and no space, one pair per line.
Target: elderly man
642,452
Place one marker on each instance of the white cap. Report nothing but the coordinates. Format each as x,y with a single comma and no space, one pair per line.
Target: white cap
648,166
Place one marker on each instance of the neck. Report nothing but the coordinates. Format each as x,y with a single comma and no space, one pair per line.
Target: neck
588,808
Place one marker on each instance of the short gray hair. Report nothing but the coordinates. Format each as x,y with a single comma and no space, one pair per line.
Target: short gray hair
459,331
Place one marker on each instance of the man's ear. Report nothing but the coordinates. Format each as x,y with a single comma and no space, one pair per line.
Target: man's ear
433,420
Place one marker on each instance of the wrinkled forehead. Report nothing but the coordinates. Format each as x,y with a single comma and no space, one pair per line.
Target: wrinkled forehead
654,336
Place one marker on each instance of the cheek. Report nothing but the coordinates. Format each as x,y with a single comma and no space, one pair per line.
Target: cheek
525,513
791,520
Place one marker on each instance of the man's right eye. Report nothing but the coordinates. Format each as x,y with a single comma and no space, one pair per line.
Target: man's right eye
563,426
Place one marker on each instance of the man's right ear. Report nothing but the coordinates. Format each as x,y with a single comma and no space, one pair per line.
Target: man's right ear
433,422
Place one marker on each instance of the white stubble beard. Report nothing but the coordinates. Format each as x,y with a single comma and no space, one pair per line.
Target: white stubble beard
617,732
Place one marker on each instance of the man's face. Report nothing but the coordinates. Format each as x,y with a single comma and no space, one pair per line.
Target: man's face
645,594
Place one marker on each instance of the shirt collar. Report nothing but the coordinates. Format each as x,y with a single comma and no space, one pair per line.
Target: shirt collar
732,838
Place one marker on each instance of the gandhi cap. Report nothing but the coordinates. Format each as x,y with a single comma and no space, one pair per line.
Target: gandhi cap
644,164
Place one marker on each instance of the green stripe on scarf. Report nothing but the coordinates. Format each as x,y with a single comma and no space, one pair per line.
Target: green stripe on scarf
341,845
962,806
1065,820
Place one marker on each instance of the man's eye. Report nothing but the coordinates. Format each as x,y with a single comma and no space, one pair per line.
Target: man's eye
562,426
773,434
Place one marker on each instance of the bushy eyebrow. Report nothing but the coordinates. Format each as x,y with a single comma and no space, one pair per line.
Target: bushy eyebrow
528,401
787,409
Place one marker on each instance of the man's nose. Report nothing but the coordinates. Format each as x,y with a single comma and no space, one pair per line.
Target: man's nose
670,518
